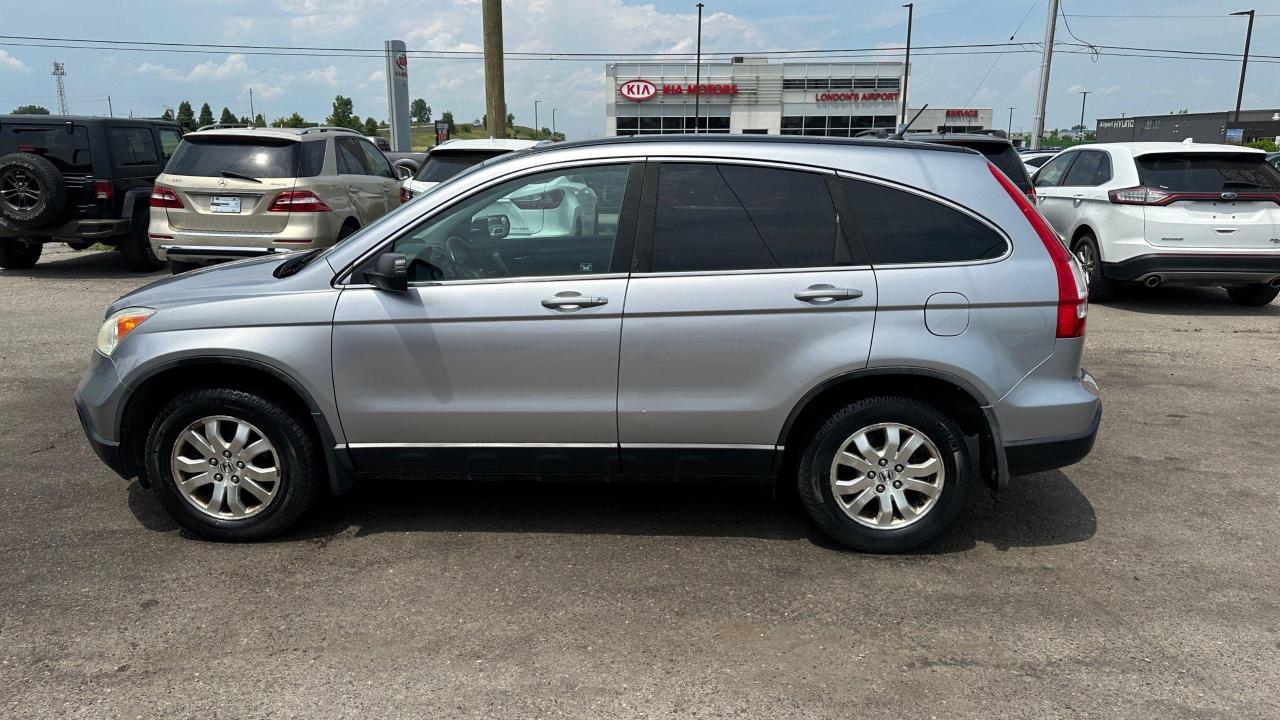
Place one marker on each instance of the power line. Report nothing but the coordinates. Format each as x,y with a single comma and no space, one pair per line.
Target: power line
1014,34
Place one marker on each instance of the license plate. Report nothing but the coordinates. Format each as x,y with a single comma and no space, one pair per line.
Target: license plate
225,203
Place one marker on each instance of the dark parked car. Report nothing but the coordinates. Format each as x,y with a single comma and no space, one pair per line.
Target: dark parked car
995,148
79,180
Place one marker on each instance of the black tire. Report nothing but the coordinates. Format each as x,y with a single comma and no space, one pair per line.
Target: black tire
1086,246
19,253
136,246
300,475
177,267
1253,295
349,228
813,479
21,176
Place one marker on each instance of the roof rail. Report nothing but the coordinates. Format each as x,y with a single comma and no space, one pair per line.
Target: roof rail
330,128
222,126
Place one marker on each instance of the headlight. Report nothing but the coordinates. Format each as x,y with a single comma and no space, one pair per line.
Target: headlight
118,326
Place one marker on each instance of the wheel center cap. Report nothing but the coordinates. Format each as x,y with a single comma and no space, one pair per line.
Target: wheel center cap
227,467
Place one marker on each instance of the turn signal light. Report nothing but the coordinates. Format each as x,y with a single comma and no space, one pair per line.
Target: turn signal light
298,201
163,197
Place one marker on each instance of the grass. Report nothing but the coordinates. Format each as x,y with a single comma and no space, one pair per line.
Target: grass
422,137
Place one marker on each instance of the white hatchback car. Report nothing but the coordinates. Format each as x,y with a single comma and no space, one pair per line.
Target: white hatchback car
1168,213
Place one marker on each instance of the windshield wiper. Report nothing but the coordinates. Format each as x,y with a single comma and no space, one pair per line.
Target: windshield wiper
296,263
238,176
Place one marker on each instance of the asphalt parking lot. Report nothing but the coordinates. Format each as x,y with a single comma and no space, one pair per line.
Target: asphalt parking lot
1140,583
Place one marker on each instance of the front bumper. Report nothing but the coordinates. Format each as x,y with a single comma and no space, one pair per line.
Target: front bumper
96,399
1196,268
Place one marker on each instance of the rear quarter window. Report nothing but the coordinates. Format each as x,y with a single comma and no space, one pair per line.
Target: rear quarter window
902,227
257,158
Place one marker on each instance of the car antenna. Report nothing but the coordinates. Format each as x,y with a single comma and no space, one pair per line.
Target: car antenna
898,135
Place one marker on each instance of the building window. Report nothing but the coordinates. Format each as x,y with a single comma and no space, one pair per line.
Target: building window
885,83
864,83
1150,124
841,83
793,84
628,123
885,121
817,84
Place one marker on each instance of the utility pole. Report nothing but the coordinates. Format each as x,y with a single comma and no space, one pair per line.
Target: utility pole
110,112
1010,130
697,76
553,123
535,118
1244,64
495,94
906,67
1046,60
252,115
1084,95
58,73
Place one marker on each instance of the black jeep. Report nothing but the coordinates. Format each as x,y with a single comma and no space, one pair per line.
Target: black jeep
79,180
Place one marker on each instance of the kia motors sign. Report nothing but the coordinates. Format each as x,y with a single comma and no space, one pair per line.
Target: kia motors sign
637,90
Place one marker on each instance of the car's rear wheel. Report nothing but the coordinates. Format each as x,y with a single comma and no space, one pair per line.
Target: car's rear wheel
19,253
885,474
1255,295
136,247
1085,249
231,465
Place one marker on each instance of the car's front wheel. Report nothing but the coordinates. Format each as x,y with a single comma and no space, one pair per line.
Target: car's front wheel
1255,295
885,474
231,465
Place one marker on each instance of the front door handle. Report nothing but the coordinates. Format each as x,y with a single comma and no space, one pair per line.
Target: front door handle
823,294
570,300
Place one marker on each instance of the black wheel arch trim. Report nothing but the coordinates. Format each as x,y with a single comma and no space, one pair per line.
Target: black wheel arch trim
341,471
995,441
129,204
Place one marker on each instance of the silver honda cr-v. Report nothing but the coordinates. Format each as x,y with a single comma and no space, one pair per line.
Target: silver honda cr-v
886,323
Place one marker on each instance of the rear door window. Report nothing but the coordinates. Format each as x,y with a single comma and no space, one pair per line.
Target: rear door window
350,157
1208,172
67,149
444,164
1051,174
740,217
1090,169
376,161
209,156
132,147
901,227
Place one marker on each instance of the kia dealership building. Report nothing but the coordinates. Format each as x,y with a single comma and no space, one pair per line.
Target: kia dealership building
751,95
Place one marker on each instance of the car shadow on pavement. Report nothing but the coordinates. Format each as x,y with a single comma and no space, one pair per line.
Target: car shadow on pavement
1036,510
81,265
1198,301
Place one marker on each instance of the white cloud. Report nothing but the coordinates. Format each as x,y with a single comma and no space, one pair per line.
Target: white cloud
232,67
155,70
324,76
9,62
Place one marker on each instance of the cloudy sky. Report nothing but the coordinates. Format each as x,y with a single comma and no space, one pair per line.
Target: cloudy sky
145,82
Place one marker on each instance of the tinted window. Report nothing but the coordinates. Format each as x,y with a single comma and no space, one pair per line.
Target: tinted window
736,217
1208,172
350,157
376,161
903,227
1000,154
312,158
561,222
209,156
1051,173
67,150
132,146
169,140
1039,160
1091,168
444,164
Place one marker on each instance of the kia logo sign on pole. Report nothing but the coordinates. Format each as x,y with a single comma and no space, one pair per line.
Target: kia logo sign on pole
638,90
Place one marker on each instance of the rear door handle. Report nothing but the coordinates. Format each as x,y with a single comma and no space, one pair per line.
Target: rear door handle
570,300
824,293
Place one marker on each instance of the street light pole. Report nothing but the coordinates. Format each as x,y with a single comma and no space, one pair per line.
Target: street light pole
535,117
906,68
1084,95
697,75
1244,64
553,123
1010,130
1046,60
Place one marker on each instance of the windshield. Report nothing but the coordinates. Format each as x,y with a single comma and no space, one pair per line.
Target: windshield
251,157
442,165
1208,172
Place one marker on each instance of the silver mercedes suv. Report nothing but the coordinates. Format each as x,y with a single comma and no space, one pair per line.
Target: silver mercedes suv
886,324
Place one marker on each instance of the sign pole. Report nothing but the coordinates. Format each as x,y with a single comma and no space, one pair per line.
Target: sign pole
697,75
398,94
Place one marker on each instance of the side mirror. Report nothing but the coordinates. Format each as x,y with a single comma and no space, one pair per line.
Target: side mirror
490,227
390,272
403,172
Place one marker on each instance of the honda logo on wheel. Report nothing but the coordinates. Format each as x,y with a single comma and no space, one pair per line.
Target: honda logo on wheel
637,90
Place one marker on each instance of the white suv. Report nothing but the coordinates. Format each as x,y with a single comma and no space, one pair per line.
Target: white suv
1168,213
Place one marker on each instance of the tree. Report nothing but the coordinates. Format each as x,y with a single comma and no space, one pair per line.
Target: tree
185,116
342,115
259,121
31,110
293,121
419,111
370,126
206,115
168,115
447,116
511,121
227,117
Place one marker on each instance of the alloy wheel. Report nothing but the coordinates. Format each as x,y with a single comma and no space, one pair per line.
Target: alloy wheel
19,190
1084,254
225,467
887,476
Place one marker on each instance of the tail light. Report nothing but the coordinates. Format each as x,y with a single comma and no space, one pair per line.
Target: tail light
549,200
405,195
163,197
1073,293
102,189
1154,196
298,201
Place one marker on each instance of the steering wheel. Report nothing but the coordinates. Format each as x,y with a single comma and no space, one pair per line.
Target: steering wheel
464,257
